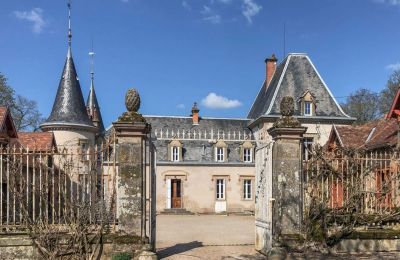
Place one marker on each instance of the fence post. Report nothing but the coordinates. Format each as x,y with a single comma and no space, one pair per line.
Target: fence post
287,181
131,131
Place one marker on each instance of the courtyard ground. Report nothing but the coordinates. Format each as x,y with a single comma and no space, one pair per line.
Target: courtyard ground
221,237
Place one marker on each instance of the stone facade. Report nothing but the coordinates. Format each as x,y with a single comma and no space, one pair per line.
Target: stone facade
209,173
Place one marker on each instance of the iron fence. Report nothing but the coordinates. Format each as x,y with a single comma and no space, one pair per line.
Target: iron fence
55,186
356,182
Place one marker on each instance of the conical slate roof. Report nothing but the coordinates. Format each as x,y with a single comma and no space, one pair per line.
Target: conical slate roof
93,106
69,106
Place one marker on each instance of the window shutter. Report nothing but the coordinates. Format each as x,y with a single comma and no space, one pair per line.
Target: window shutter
169,157
180,149
241,153
225,154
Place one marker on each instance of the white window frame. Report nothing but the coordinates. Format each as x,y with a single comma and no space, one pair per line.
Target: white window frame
175,153
220,192
308,103
247,189
247,155
307,144
219,154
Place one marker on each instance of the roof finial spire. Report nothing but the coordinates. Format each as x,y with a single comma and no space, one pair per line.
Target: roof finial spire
91,55
69,28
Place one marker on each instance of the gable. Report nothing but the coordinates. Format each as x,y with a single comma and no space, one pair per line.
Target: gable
394,111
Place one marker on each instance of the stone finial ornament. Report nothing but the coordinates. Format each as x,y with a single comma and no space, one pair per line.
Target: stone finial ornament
287,111
132,100
287,106
132,103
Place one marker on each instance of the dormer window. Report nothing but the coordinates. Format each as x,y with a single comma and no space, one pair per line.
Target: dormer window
307,108
221,151
307,103
220,154
175,154
246,152
175,151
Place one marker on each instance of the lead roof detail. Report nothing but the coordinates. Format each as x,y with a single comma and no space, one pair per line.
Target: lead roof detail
69,105
293,77
93,106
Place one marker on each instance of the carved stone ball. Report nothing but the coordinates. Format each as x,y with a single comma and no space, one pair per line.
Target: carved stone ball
132,100
287,106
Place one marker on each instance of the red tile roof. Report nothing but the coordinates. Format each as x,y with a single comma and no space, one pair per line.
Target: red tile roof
38,141
372,135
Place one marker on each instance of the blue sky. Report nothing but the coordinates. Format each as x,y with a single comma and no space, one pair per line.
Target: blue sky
176,52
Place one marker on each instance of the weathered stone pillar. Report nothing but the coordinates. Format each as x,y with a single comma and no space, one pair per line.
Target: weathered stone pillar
279,184
131,132
286,183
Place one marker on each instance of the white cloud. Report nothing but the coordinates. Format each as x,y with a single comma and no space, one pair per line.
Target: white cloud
209,15
216,18
390,2
215,101
225,1
181,106
206,10
394,66
250,9
35,16
186,5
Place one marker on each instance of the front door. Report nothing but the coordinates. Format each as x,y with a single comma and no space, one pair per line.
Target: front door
176,194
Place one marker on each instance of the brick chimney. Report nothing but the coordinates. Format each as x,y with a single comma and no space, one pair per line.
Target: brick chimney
270,68
195,114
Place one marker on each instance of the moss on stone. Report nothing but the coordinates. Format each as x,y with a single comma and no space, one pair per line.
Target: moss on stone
131,117
124,239
375,234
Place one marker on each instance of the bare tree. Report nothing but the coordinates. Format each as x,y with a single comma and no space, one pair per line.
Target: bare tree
387,95
363,105
25,112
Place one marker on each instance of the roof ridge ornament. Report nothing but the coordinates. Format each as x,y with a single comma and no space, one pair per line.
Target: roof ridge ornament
69,29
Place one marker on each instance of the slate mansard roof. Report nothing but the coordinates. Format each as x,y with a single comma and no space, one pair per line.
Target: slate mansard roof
293,77
206,124
198,140
69,106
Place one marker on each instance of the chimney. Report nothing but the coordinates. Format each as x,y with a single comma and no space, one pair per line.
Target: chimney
195,114
270,68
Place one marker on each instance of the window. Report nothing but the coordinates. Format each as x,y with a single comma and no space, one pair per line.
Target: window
247,190
175,154
220,189
307,108
247,155
220,154
307,148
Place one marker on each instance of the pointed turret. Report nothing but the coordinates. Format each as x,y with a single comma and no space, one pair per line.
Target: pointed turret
69,108
93,108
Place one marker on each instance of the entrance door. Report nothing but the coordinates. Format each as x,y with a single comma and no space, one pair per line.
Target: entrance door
176,194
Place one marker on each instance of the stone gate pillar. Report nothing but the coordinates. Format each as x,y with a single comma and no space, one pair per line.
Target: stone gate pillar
131,132
287,183
280,210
